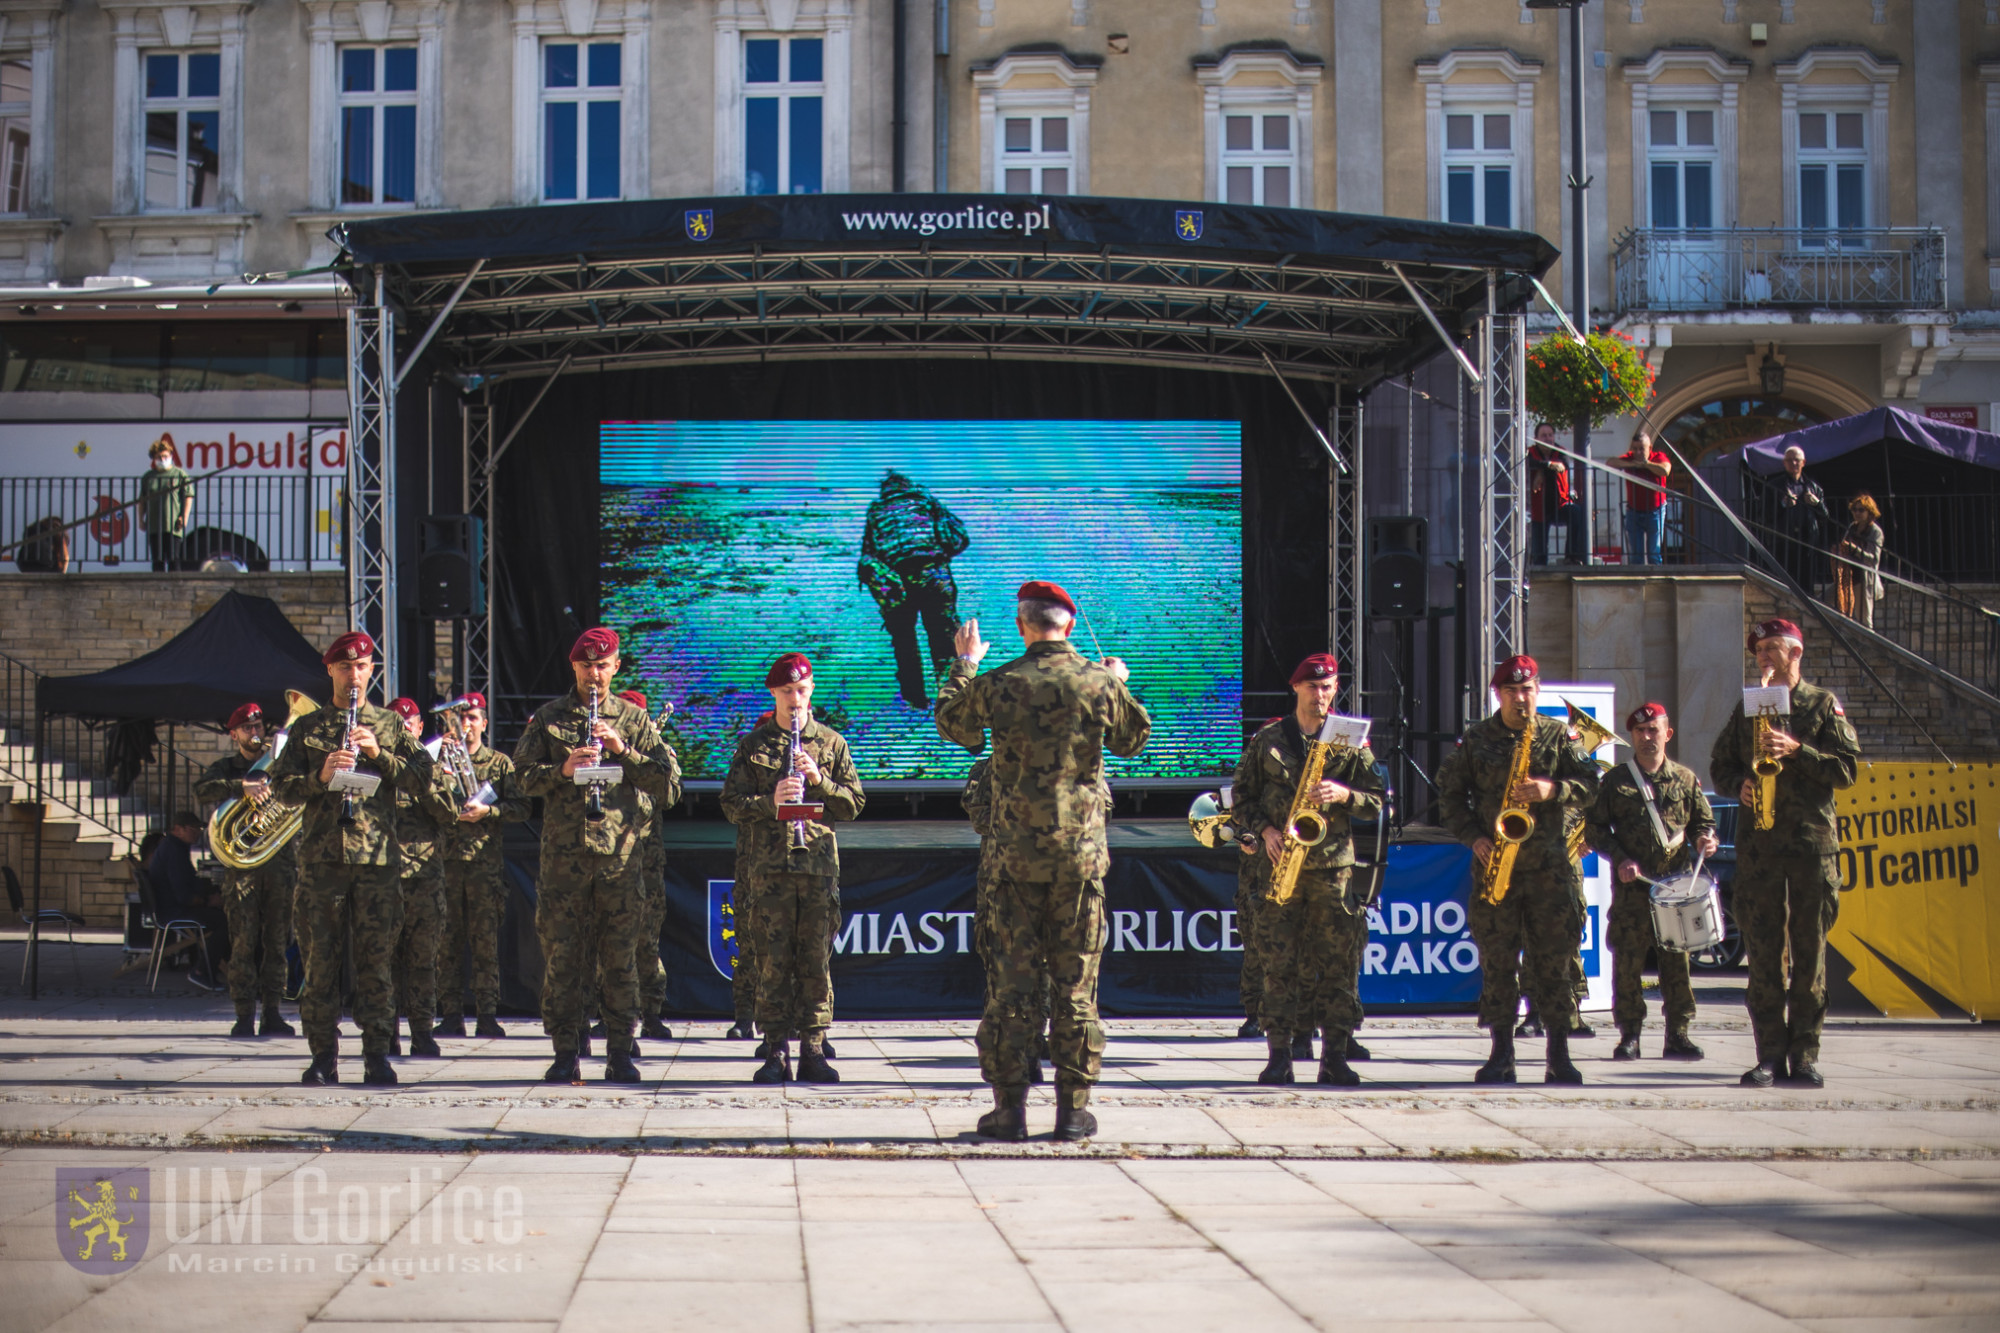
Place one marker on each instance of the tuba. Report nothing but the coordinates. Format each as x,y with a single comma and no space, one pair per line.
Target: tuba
244,834
1212,820
1592,735
1514,825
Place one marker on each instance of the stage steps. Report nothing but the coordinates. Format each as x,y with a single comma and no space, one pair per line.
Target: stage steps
118,822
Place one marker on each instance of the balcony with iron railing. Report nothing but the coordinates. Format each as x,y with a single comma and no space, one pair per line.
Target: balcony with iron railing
1781,268
239,521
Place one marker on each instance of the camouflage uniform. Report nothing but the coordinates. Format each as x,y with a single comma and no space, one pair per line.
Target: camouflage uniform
475,892
1052,714
906,553
348,873
977,800
590,898
1620,829
421,821
1311,964
1542,914
652,974
796,903
1787,889
258,902
1253,874
742,913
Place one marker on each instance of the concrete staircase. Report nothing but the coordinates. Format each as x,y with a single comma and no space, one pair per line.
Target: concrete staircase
98,814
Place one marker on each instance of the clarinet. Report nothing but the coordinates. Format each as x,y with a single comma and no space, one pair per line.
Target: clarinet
593,792
349,807
797,840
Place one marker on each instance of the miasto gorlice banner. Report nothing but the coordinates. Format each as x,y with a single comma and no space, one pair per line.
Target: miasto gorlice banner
1920,861
861,543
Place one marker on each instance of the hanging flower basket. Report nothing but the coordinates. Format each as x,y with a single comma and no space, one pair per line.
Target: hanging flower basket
1565,382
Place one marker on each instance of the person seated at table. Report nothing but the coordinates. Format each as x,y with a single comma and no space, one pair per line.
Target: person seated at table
182,895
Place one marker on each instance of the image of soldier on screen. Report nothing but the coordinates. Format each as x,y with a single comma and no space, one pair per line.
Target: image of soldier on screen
906,554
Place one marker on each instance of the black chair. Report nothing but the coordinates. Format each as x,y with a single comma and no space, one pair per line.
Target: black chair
34,921
164,930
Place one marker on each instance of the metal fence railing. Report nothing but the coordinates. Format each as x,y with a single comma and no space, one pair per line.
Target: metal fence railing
239,521
1899,268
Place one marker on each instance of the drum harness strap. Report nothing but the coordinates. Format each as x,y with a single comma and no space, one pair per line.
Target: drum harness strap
1673,843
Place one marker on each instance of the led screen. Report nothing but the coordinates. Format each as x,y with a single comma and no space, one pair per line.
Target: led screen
861,543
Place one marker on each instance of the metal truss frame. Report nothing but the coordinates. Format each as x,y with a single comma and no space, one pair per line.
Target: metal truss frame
371,471
1346,525
475,660
1499,592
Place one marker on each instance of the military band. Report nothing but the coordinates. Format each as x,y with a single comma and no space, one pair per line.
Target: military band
257,899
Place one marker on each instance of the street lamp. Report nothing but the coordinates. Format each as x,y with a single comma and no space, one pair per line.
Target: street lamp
1577,260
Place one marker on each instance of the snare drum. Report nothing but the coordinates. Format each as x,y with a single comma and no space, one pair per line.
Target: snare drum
1687,912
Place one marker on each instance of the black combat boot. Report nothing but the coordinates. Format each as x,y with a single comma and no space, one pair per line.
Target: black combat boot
1556,1065
320,1072
245,1026
813,1067
1579,1028
274,1024
1805,1072
1760,1075
583,1046
1249,1031
1035,1074
1628,1045
488,1026
1355,1050
377,1071
597,1028
1302,1047
739,1031
422,1044
618,1067
826,1049
451,1025
565,1068
1008,1120
777,1066
654,1030
1073,1123
1499,1066
763,1051
1680,1048
1333,1061
1531,1023
1279,1068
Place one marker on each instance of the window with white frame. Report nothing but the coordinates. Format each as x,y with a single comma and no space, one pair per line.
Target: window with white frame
1036,157
183,121
784,115
378,125
1479,167
1833,169
17,92
1682,166
582,107
1259,156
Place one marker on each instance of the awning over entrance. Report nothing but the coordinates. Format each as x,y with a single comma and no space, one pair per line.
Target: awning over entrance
1881,426
1217,286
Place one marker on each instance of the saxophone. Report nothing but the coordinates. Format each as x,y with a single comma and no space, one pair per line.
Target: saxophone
1513,826
1305,826
1764,767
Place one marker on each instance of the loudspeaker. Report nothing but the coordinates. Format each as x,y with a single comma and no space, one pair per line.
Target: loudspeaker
451,570
1398,568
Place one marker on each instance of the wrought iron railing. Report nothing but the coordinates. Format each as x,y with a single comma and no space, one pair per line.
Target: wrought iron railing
240,521
1882,268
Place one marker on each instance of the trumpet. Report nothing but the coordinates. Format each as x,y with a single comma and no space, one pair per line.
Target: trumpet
453,751
1764,768
1514,825
245,834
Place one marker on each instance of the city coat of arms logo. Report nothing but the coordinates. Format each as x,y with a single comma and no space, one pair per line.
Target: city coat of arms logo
700,223
724,926
1187,223
103,1217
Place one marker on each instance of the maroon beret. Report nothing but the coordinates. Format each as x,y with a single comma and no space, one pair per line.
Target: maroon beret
788,670
245,713
406,709
633,697
1035,590
594,645
475,698
1644,713
1516,670
349,647
1775,629
1320,666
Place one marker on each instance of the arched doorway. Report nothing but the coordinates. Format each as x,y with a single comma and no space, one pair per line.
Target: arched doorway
1735,419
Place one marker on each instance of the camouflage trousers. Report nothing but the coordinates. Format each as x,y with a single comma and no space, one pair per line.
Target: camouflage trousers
417,945
259,906
587,911
364,903
1527,942
1630,934
1045,932
984,945
793,924
743,980
475,903
1784,906
1250,903
1311,963
650,974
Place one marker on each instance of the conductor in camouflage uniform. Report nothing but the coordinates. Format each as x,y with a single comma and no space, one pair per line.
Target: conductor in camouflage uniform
349,869
1650,814
793,866
977,801
1528,937
906,554
590,900
421,819
646,948
1311,959
1052,714
475,890
1787,890
258,901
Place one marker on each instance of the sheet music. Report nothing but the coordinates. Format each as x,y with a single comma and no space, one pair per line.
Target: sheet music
1771,699
1349,731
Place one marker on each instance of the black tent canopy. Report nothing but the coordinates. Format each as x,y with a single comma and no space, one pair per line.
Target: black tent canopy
242,648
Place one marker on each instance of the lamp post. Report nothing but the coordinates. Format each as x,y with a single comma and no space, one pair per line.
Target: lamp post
1577,259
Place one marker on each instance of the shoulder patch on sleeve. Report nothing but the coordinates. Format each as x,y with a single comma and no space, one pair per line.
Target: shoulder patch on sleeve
1838,711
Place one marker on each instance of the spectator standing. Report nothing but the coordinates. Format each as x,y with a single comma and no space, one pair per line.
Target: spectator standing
1801,511
1548,492
1857,577
1645,506
166,506
182,895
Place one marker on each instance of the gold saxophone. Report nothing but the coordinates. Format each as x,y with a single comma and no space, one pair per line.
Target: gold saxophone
1765,767
245,834
1513,826
1305,826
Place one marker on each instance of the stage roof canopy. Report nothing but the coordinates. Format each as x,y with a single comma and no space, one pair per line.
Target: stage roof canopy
1138,281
